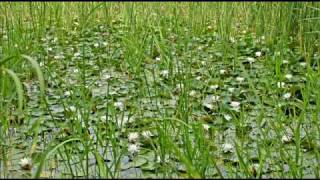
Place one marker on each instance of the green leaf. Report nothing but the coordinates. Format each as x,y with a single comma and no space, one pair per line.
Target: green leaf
102,166
48,154
6,59
37,68
18,85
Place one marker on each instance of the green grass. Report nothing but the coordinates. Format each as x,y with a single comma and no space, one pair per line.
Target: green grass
76,79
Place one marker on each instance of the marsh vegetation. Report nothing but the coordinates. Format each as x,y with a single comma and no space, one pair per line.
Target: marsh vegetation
159,90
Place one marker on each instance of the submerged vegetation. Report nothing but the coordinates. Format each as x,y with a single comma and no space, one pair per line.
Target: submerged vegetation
159,90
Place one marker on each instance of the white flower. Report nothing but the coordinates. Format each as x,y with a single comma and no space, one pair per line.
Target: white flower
198,78
303,64
286,95
222,71
59,57
200,48
72,108
288,76
179,88
231,90
157,58
41,63
232,39
67,93
158,159
164,73
286,138
251,59
281,84
258,54
208,105
227,117
240,79
96,45
146,134
215,98
76,70
227,147
255,166
206,127
235,104
192,93
203,62
77,54
214,87
133,137
25,164
106,77
119,105
133,148
285,61
166,159
103,118
209,27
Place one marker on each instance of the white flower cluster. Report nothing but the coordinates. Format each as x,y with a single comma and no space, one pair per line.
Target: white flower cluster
26,164
235,105
119,105
258,54
133,138
133,146
240,79
165,74
214,87
206,127
227,147
287,95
